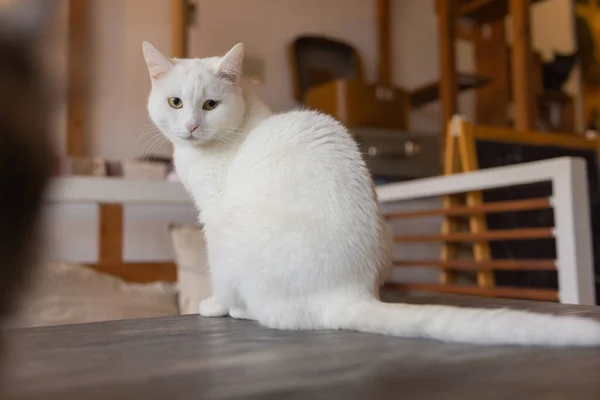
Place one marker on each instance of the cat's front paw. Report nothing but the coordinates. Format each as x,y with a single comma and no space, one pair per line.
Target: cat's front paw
239,313
212,308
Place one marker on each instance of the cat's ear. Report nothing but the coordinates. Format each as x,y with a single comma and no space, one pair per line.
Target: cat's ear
158,64
230,67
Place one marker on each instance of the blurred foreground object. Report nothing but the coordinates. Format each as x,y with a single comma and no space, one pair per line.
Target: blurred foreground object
26,156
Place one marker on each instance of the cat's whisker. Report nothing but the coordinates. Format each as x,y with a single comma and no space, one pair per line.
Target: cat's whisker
147,136
157,144
151,143
146,130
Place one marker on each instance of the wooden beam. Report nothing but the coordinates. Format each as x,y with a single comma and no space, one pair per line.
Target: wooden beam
449,225
144,272
484,11
467,30
447,40
76,78
110,234
477,223
384,42
522,65
179,28
492,60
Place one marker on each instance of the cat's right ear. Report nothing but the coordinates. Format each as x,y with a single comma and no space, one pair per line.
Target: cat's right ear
158,64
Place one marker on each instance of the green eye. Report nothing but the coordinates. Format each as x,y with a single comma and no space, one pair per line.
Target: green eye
210,105
175,102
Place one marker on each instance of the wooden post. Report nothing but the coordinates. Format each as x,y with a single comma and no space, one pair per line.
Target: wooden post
384,75
76,78
179,24
110,241
449,224
522,68
110,216
448,78
477,222
492,61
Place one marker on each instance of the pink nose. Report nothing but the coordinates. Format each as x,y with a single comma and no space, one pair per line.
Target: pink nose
191,128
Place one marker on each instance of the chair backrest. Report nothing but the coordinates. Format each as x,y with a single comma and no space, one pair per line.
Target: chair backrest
316,60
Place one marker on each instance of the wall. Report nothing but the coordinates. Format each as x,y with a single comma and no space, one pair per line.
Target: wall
116,108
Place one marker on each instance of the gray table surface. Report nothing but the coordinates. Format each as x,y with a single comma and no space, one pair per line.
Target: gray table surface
190,357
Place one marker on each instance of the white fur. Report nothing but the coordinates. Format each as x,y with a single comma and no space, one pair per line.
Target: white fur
291,218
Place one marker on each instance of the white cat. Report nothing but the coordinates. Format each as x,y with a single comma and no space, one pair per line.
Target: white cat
295,238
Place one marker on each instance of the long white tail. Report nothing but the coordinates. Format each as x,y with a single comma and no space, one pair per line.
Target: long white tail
469,325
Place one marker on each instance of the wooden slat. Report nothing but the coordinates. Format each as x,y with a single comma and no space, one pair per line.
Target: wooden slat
447,62
179,28
487,208
499,292
492,60
449,225
384,63
507,234
140,272
522,65
470,7
477,222
76,78
110,234
507,265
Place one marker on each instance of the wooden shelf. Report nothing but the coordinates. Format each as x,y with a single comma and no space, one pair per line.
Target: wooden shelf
431,92
484,11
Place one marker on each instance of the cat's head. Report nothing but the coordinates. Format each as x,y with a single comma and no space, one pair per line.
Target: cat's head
196,102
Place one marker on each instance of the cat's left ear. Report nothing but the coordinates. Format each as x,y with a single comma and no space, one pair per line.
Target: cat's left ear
230,68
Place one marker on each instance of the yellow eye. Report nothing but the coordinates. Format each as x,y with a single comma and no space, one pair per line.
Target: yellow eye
210,105
175,102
